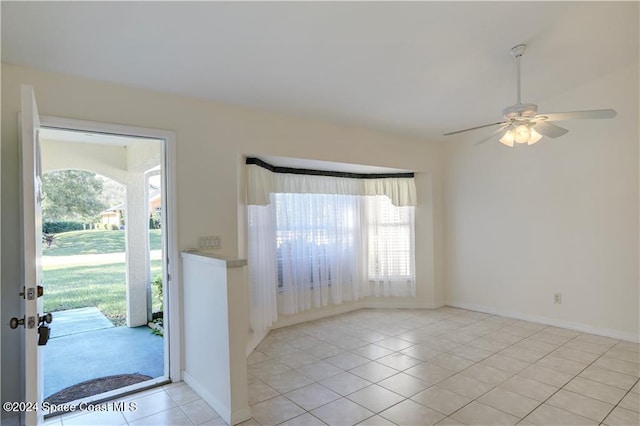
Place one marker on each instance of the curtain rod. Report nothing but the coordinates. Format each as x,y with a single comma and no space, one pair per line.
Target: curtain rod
294,171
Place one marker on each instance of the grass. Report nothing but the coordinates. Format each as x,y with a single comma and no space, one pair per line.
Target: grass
94,242
103,286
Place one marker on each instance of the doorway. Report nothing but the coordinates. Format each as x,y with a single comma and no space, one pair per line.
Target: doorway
105,269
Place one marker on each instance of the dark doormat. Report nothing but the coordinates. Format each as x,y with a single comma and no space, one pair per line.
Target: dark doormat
95,387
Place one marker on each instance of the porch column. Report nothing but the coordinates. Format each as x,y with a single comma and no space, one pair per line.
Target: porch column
137,240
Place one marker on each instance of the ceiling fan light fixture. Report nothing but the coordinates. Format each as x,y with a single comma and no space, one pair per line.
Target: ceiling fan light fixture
522,134
535,137
508,138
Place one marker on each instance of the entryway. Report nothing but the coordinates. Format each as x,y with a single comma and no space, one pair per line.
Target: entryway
103,262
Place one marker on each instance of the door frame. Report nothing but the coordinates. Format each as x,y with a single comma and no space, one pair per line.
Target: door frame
173,302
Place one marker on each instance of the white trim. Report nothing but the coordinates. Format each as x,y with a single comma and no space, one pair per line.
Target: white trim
173,353
230,417
615,334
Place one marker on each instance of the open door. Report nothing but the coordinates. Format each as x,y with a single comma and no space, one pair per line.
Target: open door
33,323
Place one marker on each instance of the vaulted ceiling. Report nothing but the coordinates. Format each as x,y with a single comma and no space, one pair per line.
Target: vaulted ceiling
413,67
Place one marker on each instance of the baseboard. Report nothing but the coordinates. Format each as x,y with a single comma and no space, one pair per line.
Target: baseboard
221,408
584,328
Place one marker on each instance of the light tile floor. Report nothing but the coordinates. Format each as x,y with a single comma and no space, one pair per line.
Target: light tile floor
446,366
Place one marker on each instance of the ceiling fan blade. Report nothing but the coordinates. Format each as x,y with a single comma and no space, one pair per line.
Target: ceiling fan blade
474,128
577,115
504,126
548,129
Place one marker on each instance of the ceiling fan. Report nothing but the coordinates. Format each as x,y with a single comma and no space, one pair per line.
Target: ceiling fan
522,122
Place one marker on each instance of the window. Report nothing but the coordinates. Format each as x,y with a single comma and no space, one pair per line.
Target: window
390,240
324,237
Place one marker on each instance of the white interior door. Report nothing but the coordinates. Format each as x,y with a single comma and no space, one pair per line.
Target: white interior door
32,250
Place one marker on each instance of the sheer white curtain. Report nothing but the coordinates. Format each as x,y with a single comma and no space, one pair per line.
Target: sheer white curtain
263,276
388,235
319,253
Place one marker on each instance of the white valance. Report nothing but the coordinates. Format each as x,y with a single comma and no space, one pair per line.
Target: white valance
264,179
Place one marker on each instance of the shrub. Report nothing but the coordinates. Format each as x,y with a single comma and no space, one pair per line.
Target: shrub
61,226
157,285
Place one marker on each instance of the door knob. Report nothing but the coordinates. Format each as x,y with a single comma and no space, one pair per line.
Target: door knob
15,322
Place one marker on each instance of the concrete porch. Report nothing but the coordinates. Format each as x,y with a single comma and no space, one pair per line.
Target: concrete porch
85,345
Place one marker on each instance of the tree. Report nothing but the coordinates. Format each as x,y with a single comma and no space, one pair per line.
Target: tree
71,195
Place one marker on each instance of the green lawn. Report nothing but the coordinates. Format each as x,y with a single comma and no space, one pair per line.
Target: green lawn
102,286
94,242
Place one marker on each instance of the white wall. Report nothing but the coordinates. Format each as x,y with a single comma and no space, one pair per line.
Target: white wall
560,216
211,140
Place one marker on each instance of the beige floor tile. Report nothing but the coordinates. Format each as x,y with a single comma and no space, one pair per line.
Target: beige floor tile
624,354
345,383
404,384
441,400
429,373
465,386
172,417
347,360
622,417
489,344
608,377
580,404
451,362
561,364
505,363
574,355
477,413
535,345
449,421
593,348
372,351
298,359
631,402
522,354
398,361
260,391
423,352
274,411
471,353
394,344
528,387
267,368
509,402
546,375
256,357
181,393
596,390
373,371
375,398
199,411
287,381
149,404
487,374
319,370
554,339
342,412
376,421
546,415
312,396
96,418
618,365
410,412
305,419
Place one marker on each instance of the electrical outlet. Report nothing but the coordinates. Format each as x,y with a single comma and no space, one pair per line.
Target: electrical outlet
557,298
210,242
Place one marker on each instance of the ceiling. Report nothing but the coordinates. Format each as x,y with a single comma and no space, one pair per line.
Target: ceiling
420,68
